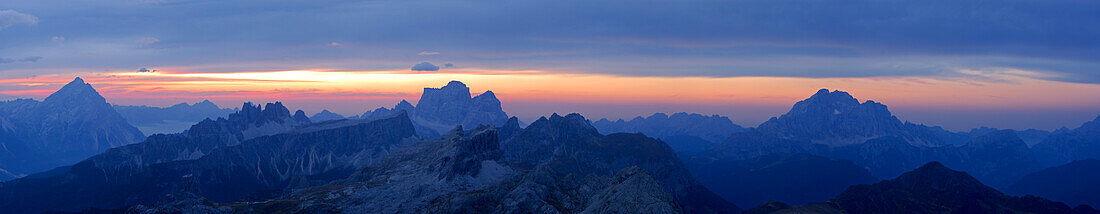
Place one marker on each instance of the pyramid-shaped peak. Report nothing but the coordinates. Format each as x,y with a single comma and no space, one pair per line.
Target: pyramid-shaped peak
75,92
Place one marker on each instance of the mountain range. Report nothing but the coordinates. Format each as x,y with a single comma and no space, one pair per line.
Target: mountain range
172,119
457,153
70,125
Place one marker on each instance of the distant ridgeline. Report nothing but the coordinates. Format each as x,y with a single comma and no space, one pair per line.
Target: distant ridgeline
173,119
457,153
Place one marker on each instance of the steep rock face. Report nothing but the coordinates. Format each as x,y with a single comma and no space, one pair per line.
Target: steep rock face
325,115
406,181
544,190
173,119
836,118
569,145
791,178
1077,144
124,166
1074,183
69,125
685,133
932,188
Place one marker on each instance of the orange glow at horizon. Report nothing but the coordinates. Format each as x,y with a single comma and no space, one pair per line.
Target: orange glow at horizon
319,86
592,88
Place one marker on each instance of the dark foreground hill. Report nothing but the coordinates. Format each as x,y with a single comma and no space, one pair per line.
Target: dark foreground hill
932,188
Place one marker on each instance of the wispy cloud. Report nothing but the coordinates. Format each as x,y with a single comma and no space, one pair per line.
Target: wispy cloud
12,17
24,59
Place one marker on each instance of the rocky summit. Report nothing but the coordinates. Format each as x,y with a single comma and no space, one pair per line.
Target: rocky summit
441,109
836,119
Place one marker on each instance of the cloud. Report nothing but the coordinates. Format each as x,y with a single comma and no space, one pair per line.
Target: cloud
24,59
147,41
58,39
335,44
428,53
12,17
448,65
425,66
146,70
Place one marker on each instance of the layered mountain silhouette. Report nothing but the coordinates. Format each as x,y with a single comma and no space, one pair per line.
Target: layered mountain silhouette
791,178
687,134
1074,183
70,125
932,188
325,115
172,119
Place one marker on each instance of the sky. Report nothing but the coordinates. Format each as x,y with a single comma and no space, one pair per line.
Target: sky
959,64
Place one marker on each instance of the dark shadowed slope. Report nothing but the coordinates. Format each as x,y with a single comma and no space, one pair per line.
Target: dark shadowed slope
569,145
790,178
173,119
1077,182
70,125
932,188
